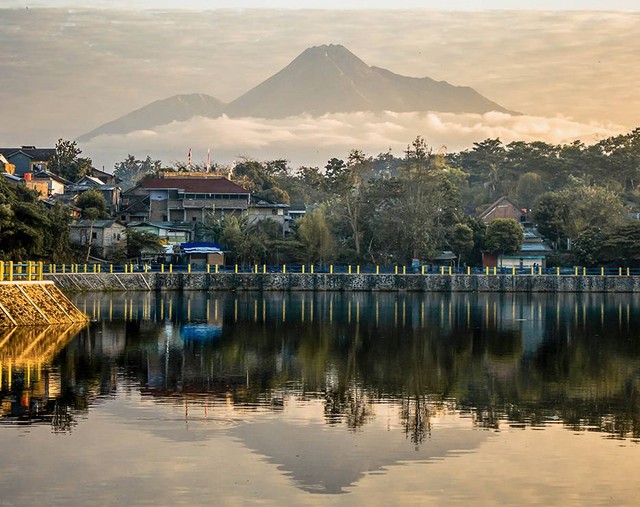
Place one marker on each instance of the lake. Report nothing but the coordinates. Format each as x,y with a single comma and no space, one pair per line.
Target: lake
325,399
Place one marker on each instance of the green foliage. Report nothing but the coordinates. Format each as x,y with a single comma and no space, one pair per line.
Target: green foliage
131,170
616,246
29,230
92,205
67,162
567,213
316,237
140,242
461,240
504,236
260,179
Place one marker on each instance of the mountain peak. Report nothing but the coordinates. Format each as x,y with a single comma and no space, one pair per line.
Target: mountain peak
322,79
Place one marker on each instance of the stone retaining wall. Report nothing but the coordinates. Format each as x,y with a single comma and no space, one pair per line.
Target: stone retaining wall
343,282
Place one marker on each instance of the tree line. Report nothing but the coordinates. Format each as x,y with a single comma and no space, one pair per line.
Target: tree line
389,209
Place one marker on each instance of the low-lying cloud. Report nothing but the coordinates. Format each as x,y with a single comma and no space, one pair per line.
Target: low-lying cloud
304,140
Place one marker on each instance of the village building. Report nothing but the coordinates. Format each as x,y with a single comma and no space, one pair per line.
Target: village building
27,159
102,237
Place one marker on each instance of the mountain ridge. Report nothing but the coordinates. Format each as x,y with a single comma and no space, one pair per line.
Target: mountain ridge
320,80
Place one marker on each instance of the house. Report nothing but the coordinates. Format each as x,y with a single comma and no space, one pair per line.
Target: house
503,208
111,193
39,186
169,233
6,166
105,177
203,253
28,159
533,253
260,209
104,237
191,198
133,207
54,184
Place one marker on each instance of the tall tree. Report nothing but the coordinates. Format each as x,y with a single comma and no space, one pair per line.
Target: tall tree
504,236
67,162
316,237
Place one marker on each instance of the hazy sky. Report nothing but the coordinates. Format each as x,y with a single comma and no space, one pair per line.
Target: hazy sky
64,72
335,4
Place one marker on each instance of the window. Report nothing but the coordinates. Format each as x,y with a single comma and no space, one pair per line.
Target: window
94,235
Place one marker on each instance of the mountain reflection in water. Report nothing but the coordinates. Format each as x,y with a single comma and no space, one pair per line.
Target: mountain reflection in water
360,362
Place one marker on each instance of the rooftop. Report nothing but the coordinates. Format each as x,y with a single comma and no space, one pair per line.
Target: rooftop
200,185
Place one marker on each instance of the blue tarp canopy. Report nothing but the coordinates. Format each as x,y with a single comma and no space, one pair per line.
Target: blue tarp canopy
191,248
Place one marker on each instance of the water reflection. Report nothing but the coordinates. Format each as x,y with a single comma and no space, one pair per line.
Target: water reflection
501,359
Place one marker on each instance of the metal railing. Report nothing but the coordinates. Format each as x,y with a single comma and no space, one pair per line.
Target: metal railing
35,271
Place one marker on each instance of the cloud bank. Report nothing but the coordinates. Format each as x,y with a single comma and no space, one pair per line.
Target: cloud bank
304,140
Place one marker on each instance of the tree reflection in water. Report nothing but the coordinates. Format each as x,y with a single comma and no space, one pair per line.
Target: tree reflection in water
499,358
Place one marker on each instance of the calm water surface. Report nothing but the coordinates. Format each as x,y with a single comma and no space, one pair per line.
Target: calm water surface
316,399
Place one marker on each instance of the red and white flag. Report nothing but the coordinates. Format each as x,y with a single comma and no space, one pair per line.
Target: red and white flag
189,158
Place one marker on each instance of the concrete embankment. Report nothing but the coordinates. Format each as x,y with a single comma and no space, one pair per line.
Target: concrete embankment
342,282
36,303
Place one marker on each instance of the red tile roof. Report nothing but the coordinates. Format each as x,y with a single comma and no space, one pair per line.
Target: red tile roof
196,185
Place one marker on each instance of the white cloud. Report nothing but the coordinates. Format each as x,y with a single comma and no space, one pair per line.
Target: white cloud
312,141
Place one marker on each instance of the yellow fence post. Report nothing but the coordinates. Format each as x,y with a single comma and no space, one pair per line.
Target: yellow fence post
64,268
619,271
513,270
468,270
349,268
494,269
1,270
558,271
442,270
170,268
404,270
208,268
422,269
628,272
126,268
396,270
358,269
284,268
111,268
10,271
217,267
264,268
303,269
40,271
236,268
189,268
584,271
311,267
601,271
330,269
575,271
450,270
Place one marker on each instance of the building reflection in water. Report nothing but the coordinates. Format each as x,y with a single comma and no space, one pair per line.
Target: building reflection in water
497,359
